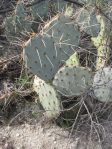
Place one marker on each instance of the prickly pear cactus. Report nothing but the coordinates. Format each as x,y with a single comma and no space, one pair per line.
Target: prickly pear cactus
40,11
64,32
48,97
102,84
45,53
102,42
16,24
19,16
58,5
72,80
87,22
43,9
73,60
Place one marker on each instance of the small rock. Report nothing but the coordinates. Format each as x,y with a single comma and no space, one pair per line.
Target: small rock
17,135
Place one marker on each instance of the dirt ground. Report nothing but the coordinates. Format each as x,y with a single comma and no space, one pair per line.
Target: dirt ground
41,137
21,125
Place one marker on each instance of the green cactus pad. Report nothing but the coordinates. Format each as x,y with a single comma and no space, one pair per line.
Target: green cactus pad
64,32
20,16
102,43
16,24
59,5
44,54
73,60
72,81
42,57
102,84
88,22
48,97
40,10
43,9
21,23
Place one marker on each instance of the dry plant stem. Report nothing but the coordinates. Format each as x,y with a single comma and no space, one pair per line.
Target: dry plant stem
5,96
10,59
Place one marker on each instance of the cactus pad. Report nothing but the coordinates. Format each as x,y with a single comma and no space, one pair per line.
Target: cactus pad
16,24
72,81
102,42
64,32
102,84
73,60
20,16
58,5
88,22
44,53
48,97
40,10
42,57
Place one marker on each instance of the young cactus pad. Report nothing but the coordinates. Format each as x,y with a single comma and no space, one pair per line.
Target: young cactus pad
48,97
102,84
102,42
44,54
72,81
